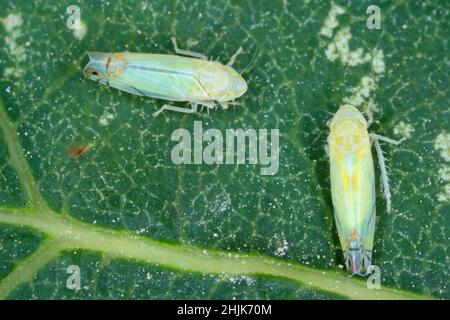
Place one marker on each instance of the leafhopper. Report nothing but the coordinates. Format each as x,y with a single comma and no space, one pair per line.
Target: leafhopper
353,185
191,78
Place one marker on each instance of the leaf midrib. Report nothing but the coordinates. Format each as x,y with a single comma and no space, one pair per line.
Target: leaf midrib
73,234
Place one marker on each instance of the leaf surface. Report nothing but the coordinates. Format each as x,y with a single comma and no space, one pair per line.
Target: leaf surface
139,226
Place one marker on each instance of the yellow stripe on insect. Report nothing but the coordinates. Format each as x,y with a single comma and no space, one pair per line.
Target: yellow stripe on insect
353,185
194,79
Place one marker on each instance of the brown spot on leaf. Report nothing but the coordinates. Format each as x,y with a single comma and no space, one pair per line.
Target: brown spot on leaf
76,151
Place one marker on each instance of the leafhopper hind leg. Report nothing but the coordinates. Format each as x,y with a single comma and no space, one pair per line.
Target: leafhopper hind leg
386,139
234,56
177,109
187,52
383,168
194,104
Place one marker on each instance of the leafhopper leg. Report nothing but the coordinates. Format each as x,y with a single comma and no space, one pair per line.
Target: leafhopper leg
384,174
177,109
234,56
187,52
225,105
386,139
369,114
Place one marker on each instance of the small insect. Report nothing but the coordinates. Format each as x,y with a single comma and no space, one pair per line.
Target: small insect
353,184
196,80
76,151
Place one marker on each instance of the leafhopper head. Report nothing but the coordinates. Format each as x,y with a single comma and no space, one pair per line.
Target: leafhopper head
348,113
104,66
237,85
222,82
96,68
348,128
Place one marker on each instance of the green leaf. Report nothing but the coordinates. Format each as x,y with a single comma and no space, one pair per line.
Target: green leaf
139,226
